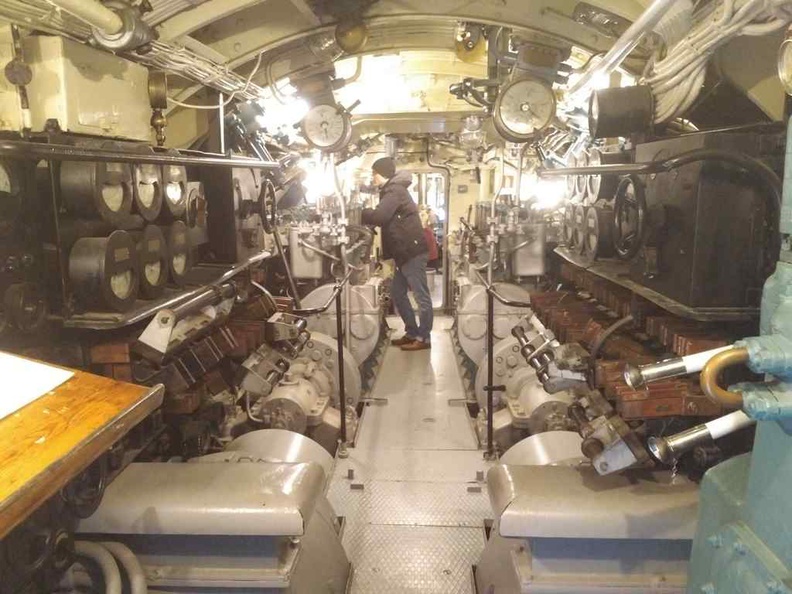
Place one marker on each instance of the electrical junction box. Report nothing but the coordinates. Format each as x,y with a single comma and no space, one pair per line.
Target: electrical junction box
87,90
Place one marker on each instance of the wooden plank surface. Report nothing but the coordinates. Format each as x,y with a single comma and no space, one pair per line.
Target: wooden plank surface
48,442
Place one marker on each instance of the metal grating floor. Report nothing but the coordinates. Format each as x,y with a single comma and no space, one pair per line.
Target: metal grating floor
416,502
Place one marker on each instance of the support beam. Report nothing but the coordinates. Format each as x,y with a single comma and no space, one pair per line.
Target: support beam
306,11
191,20
202,49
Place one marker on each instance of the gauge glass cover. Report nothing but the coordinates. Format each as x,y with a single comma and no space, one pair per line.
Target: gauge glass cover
325,127
526,107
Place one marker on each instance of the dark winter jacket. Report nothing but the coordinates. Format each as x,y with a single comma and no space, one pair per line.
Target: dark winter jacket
397,214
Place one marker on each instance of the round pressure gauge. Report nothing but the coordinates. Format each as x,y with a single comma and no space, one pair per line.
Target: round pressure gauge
524,107
327,127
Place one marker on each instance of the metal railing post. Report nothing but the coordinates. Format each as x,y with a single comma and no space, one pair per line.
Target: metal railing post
342,446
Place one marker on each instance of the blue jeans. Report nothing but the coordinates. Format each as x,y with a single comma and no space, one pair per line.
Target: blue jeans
412,276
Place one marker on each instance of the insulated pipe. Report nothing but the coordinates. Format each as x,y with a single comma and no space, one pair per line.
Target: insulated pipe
93,13
637,376
669,449
102,557
711,373
131,565
625,44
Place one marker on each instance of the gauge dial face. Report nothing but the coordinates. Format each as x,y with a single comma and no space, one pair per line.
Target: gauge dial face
121,284
327,128
174,192
179,263
785,65
5,180
153,272
524,107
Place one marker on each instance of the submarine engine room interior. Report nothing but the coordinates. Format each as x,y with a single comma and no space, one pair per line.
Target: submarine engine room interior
220,218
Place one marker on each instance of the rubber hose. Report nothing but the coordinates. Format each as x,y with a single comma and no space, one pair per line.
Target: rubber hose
129,561
102,557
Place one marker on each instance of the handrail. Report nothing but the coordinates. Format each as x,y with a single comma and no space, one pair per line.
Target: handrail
116,321
765,174
490,288
21,149
312,311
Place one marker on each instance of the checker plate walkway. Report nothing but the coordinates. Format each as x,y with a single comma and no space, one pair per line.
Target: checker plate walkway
414,507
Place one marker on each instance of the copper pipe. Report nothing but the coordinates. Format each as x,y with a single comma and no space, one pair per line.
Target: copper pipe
711,374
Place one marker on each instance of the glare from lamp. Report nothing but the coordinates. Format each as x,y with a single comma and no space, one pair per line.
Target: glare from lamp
548,194
277,114
318,182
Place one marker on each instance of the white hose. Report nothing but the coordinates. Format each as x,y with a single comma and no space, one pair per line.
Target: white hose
102,557
131,565
728,424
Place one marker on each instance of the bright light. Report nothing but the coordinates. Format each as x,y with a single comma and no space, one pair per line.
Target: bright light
278,114
547,194
318,182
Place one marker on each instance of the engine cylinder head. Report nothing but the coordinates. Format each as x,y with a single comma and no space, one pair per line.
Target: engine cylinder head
152,252
180,260
104,272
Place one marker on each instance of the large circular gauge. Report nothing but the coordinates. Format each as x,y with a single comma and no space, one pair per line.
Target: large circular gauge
524,107
327,127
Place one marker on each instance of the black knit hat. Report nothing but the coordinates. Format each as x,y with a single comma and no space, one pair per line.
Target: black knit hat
386,167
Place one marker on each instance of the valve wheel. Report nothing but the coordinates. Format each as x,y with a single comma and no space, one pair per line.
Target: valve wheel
579,226
629,217
599,232
568,226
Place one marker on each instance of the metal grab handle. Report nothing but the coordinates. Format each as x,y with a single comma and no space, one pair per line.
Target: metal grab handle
711,374
637,376
668,449
312,311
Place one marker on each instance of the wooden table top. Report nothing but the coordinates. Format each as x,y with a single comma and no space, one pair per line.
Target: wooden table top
51,440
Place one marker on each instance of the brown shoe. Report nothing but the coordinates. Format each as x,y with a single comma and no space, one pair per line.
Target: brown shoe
417,345
402,341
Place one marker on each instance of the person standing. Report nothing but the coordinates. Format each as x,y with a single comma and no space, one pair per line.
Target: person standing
403,241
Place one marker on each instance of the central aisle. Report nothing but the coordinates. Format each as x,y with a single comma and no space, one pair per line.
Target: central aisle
415,507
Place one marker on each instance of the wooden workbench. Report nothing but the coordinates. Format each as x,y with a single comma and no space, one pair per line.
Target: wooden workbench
48,442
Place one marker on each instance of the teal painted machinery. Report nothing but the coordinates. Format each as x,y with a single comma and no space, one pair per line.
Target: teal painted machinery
744,538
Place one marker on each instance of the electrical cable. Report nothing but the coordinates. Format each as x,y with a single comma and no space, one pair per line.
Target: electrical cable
677,79
230,97
607,333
